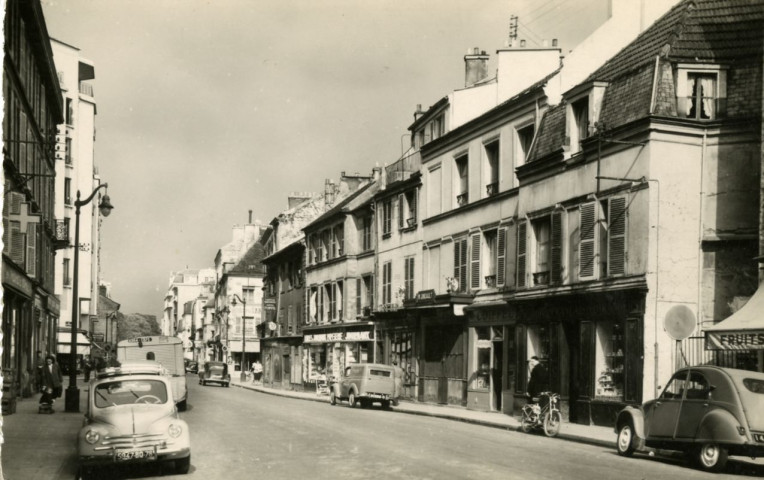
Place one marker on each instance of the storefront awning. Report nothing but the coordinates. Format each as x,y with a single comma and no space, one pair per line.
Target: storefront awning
65,343
743,330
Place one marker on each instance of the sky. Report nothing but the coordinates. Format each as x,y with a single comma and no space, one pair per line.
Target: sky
209,109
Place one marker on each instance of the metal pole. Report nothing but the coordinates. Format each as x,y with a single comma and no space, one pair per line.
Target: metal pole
72,398
243,339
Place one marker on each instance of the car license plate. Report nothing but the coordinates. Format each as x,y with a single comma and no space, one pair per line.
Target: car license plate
380,396
137,454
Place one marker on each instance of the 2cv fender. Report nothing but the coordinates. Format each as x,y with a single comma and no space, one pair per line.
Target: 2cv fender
630,427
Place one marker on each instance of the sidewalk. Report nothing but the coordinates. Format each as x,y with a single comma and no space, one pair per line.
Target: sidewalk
601,436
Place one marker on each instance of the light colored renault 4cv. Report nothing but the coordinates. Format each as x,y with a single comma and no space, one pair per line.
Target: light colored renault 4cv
365,383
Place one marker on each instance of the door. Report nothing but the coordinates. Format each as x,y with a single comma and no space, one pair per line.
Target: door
695,405
287,365
497,373
572,335
662,415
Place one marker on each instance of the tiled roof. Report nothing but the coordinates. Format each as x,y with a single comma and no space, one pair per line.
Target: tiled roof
551,134
628,98
694,30
252,261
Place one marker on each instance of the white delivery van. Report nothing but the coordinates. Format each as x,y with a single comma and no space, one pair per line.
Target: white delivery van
166,350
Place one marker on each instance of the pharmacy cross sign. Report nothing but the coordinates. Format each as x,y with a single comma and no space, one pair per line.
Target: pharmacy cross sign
24,217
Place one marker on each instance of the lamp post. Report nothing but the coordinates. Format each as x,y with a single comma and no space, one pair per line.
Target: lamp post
243,375
72,399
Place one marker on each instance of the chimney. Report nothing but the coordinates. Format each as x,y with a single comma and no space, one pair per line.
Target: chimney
250,217
376,172
296,198
475,66
418,112
329,192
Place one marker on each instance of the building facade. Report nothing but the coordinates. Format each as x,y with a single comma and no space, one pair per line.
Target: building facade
33,109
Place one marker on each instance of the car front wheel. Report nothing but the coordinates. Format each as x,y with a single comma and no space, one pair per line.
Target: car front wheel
182,406
625,441
183,465
711,457
333,398
352,400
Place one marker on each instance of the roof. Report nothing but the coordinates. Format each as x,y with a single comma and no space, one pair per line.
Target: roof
551,134
252,261
715,31
351,202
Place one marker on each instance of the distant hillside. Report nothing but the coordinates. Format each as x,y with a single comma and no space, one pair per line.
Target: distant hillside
133,325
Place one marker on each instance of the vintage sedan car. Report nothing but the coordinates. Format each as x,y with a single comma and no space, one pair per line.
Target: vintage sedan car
215,372
705,411
365,383
131,418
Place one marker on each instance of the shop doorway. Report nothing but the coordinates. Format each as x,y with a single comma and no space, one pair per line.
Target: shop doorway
444,363
497,373
287,370
571,331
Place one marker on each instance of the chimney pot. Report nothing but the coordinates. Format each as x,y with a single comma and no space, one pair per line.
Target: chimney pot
522,43
554,42
250,216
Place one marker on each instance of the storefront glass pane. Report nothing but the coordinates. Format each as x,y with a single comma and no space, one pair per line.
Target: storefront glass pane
482,358
609,361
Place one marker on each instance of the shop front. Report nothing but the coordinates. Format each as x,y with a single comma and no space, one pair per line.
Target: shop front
282,362
327,349
591,346
397,334
741,336
492,353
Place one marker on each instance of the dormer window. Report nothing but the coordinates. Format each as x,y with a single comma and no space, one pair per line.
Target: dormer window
580,127
583,110
701,92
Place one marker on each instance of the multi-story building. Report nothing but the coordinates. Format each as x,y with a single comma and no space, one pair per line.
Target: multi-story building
77,173
340,268
185,287
33,108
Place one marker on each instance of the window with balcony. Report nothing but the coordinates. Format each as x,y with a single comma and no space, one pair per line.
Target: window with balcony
542,256
490,258
67,191
462,180
460,264
407,209
491,168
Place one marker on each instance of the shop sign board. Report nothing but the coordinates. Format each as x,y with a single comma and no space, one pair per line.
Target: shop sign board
742,340
362,336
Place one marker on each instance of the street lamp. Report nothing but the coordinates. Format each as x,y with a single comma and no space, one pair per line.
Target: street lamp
72,399
243,335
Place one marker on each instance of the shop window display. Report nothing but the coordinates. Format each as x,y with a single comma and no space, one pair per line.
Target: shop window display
317,362
483,358
610,361
401,353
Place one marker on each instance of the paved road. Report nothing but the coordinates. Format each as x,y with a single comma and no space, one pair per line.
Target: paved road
241,434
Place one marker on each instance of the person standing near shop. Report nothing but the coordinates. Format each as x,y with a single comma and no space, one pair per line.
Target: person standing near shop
539,379
51,380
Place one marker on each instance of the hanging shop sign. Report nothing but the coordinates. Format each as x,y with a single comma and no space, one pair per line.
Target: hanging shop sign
743,340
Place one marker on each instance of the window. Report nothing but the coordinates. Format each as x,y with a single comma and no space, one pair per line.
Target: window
701,100
460,264
475,261
437,127
407,209
524,141
492,168
541,232
409,278
368,287
387,217
602,241
67,191
339,241
434,200
68,152
462,180
366,233
358,296
483,357
69,112
387,274
580,127
490,258
610,348
67,278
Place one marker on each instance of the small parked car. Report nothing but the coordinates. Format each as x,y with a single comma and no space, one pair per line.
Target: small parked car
705,411
131,417
215,372
192,366
365,383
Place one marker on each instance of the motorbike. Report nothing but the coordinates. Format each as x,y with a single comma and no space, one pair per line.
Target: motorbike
543,413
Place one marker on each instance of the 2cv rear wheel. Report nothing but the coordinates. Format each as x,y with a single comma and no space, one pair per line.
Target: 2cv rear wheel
352,400
711,457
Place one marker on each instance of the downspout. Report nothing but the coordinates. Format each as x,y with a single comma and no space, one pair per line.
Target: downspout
657,280
700,226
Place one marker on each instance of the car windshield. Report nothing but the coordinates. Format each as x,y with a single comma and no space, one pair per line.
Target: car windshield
129,392
754,385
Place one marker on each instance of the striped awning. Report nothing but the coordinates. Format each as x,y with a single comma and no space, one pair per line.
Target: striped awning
65,343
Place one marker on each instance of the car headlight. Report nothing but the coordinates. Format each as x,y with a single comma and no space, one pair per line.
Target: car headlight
92,437
175,430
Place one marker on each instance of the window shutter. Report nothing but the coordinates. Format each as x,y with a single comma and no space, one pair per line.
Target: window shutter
501,256
556,241
617,236
475,262
586,245
358,298
413,206
463,266
31,249
17,244
400,211
522,228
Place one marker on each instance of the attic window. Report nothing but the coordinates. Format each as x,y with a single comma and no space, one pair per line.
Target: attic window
580,127
701,91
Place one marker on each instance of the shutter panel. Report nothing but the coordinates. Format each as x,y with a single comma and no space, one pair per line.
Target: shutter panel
556,250
457,257
586,245
413,206
17,244
400,211
463,266
31,249
15,201
475,262
616,260
522,240
501,256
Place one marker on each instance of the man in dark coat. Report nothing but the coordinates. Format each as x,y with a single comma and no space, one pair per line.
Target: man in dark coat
539,380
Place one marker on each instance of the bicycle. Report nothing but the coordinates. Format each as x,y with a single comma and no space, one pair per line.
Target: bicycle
544,413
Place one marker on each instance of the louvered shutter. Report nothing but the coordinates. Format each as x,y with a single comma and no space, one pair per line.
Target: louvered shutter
463,266
31,249
400,211
586,245
413,207
522,241
17,244
616,260
475,262
501,256
556,251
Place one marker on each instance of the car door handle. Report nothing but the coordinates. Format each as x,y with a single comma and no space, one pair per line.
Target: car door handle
657,404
